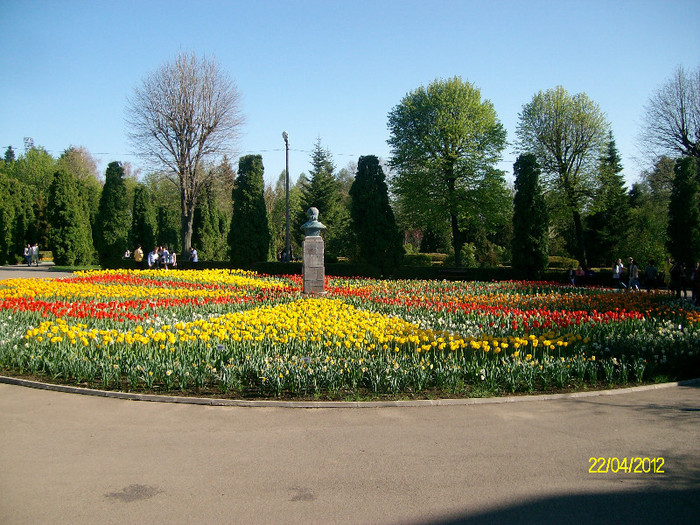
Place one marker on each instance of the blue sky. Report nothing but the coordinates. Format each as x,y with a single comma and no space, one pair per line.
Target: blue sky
331,69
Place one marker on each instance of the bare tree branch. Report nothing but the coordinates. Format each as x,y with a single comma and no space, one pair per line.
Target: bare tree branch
183,115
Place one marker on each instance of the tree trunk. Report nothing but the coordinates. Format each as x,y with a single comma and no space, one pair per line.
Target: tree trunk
188,202
457,237
457,240
580,241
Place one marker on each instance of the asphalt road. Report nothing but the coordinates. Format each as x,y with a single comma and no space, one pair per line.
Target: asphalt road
68,458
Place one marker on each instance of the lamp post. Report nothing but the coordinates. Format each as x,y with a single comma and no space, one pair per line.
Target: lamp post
287,244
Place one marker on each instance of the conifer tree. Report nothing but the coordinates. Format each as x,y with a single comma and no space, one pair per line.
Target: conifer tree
9,155
530,222
684,214
7,218
208,237
322,191
70,236
373,221
143,224
113,219
249,235
609,222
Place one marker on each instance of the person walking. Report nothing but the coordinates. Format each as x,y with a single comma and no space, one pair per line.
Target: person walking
696,284
618,268
634,275
651,274
677,278
194,257
35,254
28,254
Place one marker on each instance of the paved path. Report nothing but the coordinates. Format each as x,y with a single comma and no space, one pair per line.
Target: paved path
67,458
22,271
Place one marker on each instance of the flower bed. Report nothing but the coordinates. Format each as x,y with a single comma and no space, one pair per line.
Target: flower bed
240,334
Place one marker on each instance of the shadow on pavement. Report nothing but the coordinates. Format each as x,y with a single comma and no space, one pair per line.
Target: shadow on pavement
620,508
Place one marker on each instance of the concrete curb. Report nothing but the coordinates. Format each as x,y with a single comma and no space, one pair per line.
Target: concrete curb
335,404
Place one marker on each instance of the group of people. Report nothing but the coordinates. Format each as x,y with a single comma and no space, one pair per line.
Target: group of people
674,276
160,257
31,254
678,280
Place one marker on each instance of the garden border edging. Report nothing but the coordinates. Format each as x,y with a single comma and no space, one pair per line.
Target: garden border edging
333,404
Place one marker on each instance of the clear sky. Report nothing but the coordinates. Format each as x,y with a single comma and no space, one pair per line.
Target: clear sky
331,69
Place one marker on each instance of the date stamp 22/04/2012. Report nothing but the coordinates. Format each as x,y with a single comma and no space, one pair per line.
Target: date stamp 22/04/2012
627,465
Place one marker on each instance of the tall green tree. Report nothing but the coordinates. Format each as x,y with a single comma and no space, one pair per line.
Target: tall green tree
249,235
647,236
210,227
36,169
166,202
445,140
70,236
276,205
684,213
608,223
322,190
144,224
113,219
7,220
373,223
82,165
566,133
530,220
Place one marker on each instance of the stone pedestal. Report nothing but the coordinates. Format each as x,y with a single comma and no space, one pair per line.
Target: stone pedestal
313,269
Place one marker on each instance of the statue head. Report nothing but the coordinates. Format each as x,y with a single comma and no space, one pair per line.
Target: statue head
312,214
312,227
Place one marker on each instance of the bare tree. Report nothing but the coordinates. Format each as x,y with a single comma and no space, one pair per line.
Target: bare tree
185,114
672,116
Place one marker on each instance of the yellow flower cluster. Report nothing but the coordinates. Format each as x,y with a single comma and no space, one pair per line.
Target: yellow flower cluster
223,277
324,323
231,283
66,290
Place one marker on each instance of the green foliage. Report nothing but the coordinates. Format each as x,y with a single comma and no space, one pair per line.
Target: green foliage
70,237
434,241
210,227
9,155
168,221
566,133
35,169
647,236
166,201
322,190
609,222
249,235
373,223
684,213
113,218
530,220
7,218
445,141
79,163
143,223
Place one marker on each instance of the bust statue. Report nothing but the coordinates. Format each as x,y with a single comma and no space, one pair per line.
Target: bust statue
312,228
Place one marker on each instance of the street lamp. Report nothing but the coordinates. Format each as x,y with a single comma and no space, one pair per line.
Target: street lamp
287,245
